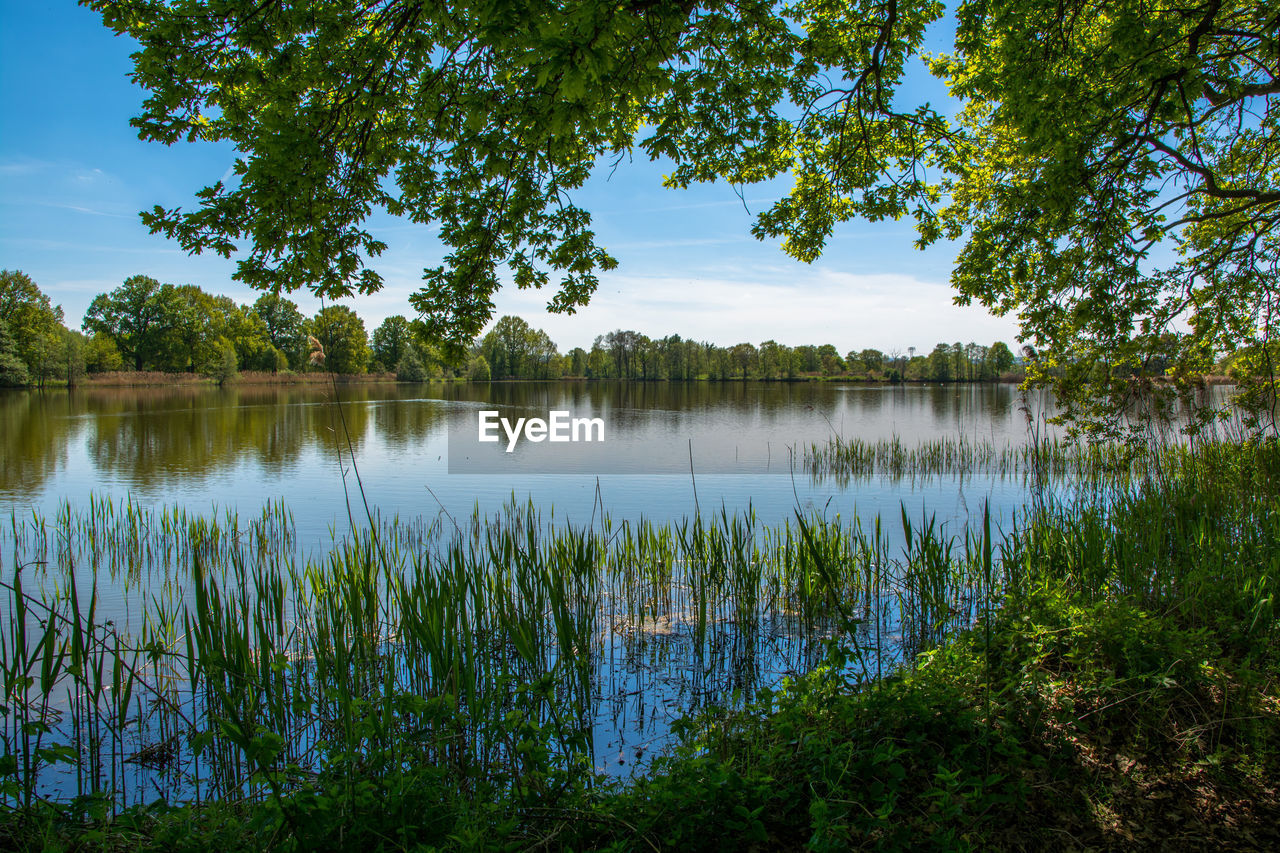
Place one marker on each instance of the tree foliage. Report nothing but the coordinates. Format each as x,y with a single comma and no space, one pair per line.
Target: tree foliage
284,327
341,334
224,367
410,368
135,316
478,369
515,350
13,370
101,354
190,338
181,328
1000,359
475,118
34,324
391,341
1110,170
241,327
176,328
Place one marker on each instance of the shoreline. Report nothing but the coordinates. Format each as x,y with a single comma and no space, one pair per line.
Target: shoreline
150,379
145,379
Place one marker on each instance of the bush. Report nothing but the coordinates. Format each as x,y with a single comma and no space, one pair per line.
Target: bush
101,354
13,371
224,366
410,368
478,369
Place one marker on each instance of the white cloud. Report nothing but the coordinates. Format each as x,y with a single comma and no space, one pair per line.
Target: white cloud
809,305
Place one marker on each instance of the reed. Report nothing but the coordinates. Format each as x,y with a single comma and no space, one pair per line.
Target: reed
203,657
1040,461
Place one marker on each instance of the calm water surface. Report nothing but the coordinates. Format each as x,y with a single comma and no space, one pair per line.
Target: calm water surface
240,446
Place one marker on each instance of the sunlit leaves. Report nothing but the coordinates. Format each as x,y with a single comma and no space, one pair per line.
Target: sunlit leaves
477,118
1110,170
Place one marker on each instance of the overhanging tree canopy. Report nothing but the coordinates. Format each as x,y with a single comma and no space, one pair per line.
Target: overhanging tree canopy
1109,169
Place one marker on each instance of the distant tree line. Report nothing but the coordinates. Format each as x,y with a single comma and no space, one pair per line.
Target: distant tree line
513,349
144,325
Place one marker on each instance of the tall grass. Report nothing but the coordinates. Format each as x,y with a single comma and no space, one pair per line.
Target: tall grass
1044,460
199,657
204,657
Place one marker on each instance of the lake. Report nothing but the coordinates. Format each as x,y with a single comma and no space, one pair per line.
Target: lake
236,447
636,620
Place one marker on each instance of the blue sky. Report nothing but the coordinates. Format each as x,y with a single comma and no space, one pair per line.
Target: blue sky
73,176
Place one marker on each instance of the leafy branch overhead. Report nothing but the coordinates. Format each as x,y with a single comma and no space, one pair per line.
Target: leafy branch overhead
1108,169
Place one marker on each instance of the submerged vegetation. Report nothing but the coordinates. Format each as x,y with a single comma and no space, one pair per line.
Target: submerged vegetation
1099,672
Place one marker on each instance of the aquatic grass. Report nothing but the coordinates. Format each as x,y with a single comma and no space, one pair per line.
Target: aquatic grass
513,654
1036,463
259,664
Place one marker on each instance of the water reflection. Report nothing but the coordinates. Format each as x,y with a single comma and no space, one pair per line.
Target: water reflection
241,444
148,441
35,432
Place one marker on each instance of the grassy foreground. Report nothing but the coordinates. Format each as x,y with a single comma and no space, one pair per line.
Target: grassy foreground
1121,693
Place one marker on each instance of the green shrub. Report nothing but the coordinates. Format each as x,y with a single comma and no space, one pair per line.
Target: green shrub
410,368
